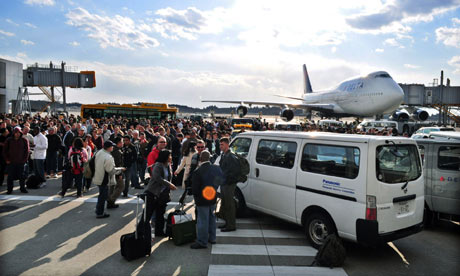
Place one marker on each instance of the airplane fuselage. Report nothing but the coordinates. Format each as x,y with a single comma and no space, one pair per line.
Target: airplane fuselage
376,93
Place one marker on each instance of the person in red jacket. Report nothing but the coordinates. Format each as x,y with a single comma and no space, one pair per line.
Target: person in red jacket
153,155
16,153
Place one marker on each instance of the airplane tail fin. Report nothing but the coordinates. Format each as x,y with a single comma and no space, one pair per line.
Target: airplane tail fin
306,79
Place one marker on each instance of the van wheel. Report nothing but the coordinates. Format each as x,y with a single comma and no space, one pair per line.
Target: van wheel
318,226
240,204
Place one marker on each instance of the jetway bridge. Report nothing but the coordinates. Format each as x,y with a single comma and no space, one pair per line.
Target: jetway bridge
444,98
57,78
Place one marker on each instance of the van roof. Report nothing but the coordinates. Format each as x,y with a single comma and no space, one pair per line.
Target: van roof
356,138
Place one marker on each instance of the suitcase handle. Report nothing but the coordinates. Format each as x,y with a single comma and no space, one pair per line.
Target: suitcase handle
137,211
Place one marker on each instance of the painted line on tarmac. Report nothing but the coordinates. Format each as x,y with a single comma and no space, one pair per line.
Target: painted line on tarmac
270,250
230,270
59,198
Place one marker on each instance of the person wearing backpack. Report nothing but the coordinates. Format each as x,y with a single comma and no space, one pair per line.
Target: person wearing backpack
77,157
230,166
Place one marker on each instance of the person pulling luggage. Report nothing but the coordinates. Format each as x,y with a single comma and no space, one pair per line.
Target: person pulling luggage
205,181
157,191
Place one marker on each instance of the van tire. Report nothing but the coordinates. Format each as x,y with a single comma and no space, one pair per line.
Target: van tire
240,203
317,227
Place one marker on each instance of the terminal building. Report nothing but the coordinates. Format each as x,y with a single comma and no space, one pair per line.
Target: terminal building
11,79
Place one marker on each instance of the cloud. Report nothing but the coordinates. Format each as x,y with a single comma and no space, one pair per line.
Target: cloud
410,66
379,50
2,32
11,22
188,23
30,25
27,42
455,62
40,2
401,12
118,31
448,36
22,55
74,43
393,42
456,21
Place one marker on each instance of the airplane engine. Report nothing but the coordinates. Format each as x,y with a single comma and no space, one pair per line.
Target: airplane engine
420,115
287,114
400,116
241,111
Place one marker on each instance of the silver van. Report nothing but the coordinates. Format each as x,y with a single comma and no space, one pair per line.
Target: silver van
440,154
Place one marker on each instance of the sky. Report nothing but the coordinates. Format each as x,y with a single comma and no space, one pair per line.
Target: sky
180,52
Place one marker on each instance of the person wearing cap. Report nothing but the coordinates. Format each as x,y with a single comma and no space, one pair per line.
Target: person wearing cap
206,179
16,153
104,176
39,154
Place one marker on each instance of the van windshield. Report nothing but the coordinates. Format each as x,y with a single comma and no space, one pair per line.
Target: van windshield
397,163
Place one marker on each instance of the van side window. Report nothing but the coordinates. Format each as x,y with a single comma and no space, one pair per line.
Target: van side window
421,149
449,158
241,146
338,161
276,153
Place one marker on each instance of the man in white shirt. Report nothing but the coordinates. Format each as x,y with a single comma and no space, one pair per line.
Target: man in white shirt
39,154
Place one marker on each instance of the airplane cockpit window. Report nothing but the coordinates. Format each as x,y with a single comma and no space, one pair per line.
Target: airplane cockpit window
383,75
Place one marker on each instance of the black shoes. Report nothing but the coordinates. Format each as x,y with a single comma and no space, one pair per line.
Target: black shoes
125,195
222,226
9,192
137,187
197,246
160,234
24,191
227,229
103,216
212,242
112,206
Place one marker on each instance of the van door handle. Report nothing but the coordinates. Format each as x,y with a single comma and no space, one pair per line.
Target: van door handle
257,172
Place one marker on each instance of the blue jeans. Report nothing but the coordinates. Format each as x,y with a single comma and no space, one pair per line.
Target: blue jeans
39,168
51,162
101,199
206,224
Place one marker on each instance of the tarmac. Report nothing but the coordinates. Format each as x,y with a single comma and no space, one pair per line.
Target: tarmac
44,234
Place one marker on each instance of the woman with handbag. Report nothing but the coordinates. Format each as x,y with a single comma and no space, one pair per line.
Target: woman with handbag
158,190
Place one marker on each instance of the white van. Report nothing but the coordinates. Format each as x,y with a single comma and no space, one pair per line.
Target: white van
368,189
379,125
330,123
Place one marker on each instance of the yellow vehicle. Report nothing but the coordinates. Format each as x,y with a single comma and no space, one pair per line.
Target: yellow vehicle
157,111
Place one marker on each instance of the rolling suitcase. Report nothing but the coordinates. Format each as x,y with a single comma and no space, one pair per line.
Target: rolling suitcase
139,243
180,226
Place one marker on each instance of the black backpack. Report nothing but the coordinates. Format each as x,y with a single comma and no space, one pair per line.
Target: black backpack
244,168
331,254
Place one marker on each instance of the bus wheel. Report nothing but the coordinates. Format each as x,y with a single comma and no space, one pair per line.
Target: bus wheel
318,226
240,204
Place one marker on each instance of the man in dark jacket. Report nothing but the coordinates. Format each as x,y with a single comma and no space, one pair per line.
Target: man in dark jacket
230,167
129,162
206,179
116,190
16,152
54,145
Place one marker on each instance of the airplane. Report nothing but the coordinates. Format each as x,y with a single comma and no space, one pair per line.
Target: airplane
375,94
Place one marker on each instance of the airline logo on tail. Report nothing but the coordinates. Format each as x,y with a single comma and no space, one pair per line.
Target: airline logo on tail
306,81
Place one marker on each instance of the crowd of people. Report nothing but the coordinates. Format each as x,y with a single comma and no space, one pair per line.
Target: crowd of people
153,155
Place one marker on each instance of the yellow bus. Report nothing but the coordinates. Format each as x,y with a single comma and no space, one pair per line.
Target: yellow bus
157,111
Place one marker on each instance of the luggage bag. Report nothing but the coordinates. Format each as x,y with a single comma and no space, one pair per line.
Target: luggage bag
180,226
139,243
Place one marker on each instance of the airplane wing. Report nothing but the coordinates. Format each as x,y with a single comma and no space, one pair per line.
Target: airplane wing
316,107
